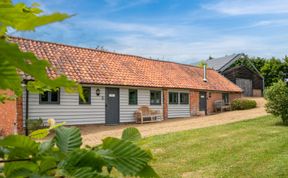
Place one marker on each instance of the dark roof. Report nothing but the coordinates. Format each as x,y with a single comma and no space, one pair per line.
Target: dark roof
222,63
93,66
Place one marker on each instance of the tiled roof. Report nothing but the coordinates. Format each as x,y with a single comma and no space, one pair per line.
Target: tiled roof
93,66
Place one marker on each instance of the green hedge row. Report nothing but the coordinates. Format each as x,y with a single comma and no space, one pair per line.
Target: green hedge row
241,104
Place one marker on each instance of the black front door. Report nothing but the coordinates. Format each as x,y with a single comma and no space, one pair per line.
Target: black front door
112,106
202,101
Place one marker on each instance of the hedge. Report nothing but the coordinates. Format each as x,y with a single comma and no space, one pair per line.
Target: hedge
241,104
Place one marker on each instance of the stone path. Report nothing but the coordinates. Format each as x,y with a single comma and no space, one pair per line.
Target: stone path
92,134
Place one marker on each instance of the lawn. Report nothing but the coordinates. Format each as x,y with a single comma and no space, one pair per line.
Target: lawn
254,148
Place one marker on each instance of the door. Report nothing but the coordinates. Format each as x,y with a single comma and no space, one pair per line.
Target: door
246,85
112,106
202,101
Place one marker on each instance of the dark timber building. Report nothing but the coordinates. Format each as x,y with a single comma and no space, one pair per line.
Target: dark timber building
249,80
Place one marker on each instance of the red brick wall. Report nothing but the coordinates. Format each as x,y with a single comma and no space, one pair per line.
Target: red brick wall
233,96
194,102
165,104
19,118
211,98
7,115
218,96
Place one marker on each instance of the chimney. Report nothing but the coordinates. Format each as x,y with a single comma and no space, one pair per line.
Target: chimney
205,73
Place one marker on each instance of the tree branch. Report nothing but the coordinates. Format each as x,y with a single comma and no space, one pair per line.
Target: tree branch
14,160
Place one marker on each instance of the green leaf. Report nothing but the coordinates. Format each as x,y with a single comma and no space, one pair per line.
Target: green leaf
10,79
68,139
20,145
48,163
23,168
148,172
83,158
46,146
85,172
125,156
56,126
3,152
131,134
39,134
24,18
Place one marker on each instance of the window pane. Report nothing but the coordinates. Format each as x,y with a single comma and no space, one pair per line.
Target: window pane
133,97
173,98
55,96
87,96
184,98
225,97
44,97
155,97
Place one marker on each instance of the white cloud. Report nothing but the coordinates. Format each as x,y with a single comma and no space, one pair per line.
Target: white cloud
249,7
154,30
275,22
118,5
194,50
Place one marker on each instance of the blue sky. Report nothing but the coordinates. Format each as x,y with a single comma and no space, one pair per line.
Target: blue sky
177,30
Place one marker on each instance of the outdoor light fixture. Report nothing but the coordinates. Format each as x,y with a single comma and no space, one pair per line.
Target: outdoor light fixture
97,91
209,94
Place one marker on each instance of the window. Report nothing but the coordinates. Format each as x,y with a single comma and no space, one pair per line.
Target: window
173,98
225,97
133,98
155,97
87,96
50,97
184,98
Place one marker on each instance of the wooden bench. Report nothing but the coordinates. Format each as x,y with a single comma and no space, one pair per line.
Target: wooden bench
145,114
220,105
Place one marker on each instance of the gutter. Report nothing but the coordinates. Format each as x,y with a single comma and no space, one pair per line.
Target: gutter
26,112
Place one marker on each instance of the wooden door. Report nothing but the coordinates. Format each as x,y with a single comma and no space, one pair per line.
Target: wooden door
246,85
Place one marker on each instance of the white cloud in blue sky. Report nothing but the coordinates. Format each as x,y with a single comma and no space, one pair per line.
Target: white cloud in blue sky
178,30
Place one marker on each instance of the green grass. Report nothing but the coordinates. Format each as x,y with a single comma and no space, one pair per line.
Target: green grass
254,148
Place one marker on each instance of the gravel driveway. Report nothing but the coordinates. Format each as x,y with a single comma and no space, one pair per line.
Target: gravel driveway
92,134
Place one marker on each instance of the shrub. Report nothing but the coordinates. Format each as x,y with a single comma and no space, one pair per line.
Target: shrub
241,104
277,100
35,124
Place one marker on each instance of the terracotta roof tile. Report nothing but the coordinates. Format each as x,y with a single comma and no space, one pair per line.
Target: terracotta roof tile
108,68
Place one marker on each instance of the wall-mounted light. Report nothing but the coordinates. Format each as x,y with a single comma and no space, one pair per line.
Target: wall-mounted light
97,91
209,94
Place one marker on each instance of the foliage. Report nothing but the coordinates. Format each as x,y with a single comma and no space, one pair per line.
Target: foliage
35,124
272,71
247,61
277,100
202,63
62,155
13,61
242,104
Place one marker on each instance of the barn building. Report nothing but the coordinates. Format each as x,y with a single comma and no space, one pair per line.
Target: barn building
251,81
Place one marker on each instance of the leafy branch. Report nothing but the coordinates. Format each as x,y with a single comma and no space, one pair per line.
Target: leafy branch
15,62
62,155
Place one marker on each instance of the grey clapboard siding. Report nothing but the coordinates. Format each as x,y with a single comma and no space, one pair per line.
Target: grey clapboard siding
178,110
72,113
69,110
127,111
